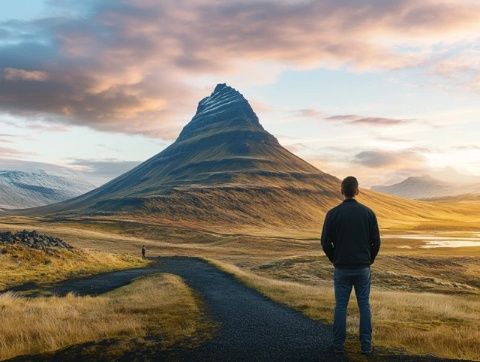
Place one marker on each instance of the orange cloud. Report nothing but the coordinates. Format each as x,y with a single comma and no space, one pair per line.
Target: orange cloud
129,66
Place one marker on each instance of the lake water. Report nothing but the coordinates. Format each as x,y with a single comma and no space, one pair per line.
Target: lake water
434,241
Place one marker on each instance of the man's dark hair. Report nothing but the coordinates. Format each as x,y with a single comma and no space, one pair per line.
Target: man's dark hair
349,186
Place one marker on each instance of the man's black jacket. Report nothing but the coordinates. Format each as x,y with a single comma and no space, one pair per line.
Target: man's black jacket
350,236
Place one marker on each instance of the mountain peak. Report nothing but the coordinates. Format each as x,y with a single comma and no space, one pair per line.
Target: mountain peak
223,95
225,110
221,86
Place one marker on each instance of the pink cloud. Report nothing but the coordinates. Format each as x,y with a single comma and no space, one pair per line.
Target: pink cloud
349,118
129,66
461,69
378,121
7,152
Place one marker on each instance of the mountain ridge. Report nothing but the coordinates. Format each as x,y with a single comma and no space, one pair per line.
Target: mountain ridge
22,189
427,187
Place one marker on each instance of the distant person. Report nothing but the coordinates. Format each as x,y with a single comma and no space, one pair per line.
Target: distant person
351,240
144,250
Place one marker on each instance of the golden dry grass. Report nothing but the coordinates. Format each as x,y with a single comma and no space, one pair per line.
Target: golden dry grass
293,270
418,323
20,264
160,305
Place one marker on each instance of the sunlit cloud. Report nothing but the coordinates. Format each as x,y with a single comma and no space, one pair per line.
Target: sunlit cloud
374,121
398,159
8,152
375,167
103,170
309,113
461,69
129,66
467,147
22,74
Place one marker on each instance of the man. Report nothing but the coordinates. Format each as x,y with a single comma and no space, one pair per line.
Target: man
351,240
144,250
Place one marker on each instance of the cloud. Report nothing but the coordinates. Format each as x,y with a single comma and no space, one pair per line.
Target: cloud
22,74
374,121
129,66
308,113
6,138
391,159
460,69
45,127
7,152
373,167
393,139
378,121
467,147
349,118
101,171
343,117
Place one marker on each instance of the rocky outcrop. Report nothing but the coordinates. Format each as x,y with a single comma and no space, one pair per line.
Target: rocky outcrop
33,239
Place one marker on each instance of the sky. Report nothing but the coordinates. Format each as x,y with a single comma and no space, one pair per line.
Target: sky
380,89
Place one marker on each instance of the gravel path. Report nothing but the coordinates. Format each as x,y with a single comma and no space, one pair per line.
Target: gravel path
251,327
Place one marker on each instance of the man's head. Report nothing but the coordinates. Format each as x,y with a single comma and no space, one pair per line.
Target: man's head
349,187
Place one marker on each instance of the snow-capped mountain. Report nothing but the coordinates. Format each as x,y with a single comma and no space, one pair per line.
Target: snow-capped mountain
22,189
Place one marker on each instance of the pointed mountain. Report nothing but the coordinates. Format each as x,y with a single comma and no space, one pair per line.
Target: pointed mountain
223,166
223,170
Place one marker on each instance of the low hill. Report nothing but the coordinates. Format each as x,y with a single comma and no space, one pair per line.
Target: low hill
417,188
426,187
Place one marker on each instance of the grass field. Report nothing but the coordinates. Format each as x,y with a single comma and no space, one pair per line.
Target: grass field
414,322
160,305
425,300
20,264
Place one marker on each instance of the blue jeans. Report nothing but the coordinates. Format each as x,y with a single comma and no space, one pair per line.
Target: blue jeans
344,280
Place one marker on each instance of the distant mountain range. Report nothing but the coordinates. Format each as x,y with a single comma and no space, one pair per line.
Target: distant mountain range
22,189
427,187
225,170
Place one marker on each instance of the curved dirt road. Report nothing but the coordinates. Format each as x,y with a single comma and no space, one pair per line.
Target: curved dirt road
251,327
